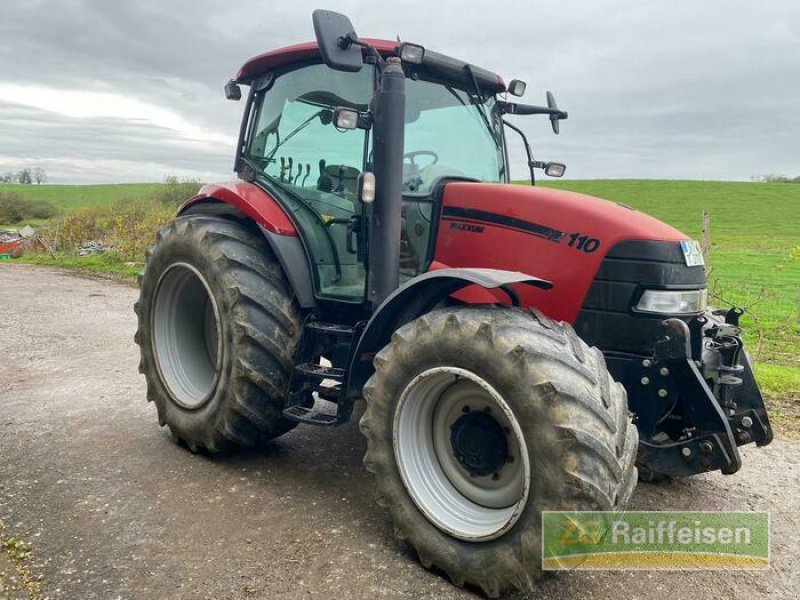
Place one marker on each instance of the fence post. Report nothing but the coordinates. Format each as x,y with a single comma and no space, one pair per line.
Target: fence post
705,243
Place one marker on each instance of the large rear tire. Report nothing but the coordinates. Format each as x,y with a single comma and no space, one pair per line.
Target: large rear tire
480,418
217,328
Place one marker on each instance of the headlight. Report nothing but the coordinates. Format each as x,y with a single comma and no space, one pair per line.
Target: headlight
677,302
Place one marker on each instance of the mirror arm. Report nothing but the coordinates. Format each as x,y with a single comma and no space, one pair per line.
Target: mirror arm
512,108
371,50
531,163
345,41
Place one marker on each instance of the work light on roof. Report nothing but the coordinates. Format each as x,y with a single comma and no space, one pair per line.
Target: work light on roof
412,54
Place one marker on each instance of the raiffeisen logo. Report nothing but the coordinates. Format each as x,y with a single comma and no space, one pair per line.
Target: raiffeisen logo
655,540
668,532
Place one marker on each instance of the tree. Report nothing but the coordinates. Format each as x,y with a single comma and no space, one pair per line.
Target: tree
778,179
9,178
38,175
24,176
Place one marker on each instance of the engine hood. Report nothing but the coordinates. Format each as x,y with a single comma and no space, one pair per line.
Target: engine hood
565,211
560,236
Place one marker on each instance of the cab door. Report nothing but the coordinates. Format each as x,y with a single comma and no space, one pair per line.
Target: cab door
312,167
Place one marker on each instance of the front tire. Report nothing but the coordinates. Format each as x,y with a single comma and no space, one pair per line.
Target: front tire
217,328
480,418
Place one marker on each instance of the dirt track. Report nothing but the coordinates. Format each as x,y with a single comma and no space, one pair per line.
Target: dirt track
113,509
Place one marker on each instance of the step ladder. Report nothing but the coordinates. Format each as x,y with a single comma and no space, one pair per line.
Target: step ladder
316,387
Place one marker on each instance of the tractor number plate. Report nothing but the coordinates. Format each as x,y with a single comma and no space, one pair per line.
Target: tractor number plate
692,253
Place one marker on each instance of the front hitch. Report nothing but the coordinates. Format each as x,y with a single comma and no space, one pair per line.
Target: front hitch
702,373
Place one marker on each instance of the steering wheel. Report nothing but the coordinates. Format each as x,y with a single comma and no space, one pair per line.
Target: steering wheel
412,155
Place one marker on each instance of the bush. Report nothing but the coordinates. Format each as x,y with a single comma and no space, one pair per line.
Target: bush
39,209
15,209
127,227
175,191
12,207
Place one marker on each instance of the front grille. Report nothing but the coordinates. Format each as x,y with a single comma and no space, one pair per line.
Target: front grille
606,319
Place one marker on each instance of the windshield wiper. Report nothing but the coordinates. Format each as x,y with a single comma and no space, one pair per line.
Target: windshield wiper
481,108
477,108
325,115
481,105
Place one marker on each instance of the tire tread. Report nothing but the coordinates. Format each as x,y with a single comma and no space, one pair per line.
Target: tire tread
586,408
256,292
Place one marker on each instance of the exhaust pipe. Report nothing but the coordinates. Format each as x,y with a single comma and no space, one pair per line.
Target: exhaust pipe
384,232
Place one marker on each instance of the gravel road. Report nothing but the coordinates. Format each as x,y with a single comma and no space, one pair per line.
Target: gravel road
112,508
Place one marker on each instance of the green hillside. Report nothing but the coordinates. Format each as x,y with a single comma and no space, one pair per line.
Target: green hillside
73,197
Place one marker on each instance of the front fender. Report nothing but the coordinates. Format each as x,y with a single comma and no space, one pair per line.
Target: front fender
415,298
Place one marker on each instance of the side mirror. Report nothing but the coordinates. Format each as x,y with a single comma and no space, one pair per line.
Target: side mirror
335,37
554,116
553,169
233,91
517,87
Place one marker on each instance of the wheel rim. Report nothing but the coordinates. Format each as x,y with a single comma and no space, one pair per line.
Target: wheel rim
186,341
458,472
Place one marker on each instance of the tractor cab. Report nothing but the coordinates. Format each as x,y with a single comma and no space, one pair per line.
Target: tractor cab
308,139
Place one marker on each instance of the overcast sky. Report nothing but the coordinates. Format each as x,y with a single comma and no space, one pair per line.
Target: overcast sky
116,91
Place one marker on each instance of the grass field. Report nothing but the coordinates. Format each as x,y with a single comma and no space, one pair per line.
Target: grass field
67,198
755,246
755,257
72,197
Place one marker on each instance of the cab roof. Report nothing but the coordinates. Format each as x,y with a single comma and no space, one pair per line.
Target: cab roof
437,64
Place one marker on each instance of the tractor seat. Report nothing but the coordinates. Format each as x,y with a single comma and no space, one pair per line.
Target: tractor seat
344,179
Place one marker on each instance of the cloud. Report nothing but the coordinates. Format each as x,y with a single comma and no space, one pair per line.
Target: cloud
106,149
101,91
77,104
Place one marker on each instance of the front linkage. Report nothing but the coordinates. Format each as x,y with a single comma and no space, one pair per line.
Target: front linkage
698,399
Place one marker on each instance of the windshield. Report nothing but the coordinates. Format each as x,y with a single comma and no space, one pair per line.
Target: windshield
446,135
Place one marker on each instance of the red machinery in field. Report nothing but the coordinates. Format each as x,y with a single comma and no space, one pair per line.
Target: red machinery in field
11,244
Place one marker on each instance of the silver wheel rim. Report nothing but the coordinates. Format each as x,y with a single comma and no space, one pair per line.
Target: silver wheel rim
186,341
459,502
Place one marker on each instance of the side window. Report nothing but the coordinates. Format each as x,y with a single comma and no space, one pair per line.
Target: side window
297,149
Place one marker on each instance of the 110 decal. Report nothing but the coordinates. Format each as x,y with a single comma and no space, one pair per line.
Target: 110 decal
583,242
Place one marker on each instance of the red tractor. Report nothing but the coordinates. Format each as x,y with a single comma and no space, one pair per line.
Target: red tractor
519,349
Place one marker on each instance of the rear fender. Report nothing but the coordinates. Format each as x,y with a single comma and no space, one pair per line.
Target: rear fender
249,199
246,200
417,297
